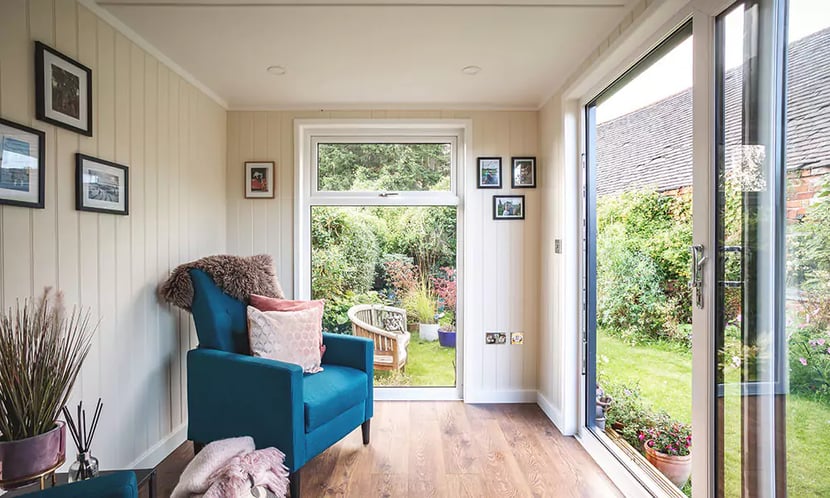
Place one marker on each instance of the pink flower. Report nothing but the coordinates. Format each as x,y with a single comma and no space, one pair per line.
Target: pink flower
820,341
803,361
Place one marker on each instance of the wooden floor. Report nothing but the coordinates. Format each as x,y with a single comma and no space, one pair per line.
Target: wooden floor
450,449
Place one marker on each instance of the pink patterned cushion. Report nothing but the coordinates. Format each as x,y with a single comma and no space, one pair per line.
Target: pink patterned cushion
265,303
290,336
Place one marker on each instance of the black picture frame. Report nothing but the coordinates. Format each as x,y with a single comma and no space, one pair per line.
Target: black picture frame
481,164
497,216
83,201
71,71
10,196
518,162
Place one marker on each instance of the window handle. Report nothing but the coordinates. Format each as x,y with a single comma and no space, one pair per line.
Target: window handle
387,194
696,283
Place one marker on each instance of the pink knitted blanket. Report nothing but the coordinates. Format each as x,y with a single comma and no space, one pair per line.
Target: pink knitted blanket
258,468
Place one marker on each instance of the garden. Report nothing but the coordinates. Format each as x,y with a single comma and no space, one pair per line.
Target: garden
401,256
644,336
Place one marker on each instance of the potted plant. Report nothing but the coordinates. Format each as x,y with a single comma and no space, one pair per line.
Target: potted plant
446,335
603,402
423,305
445,288
668,446
41,352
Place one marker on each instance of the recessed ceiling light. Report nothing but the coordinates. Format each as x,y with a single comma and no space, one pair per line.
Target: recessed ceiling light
276,70
471,70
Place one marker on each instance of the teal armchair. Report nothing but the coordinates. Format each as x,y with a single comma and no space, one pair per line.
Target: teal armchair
231,394
117,485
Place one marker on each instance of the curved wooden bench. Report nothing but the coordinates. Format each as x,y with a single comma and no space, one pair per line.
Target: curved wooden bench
371,321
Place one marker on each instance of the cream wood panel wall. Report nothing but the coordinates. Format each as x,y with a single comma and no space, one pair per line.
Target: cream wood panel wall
505,254
173,139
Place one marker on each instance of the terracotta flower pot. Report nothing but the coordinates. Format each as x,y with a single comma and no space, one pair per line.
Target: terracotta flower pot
676,468
32,456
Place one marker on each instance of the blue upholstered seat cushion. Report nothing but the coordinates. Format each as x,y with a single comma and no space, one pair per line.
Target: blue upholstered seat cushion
117,485
331,392
221,321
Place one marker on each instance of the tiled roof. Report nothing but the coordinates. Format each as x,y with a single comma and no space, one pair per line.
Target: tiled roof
652,147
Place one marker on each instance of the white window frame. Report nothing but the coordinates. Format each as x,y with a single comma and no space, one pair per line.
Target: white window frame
308,133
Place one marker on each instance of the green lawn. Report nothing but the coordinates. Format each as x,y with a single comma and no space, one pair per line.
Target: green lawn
428,364
665,374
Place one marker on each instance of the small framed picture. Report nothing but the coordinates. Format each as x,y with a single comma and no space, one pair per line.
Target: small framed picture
524,172
101,186
489,172
508,207
22,164
259,180
63,90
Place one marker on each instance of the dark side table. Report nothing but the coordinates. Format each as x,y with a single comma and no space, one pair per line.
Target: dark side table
145,477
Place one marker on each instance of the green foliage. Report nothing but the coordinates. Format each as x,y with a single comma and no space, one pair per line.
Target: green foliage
393,167
345,251
420,304
428,234
335,312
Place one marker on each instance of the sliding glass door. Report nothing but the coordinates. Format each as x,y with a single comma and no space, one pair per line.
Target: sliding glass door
708,250
773,249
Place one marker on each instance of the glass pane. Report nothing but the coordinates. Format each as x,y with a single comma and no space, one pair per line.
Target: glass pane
808,248
641,176
379,167
394,268
750,347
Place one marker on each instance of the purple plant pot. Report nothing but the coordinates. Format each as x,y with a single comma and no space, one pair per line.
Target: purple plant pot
31,456
446,339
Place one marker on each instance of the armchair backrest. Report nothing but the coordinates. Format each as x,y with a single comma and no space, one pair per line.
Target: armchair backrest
221,321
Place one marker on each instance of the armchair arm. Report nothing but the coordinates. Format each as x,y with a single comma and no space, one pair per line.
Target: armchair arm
354,352
231,395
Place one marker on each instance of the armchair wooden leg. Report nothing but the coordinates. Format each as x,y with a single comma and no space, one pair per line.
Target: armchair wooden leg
294,484
365,429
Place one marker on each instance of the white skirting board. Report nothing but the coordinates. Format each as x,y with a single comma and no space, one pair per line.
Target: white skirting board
161,450
512,396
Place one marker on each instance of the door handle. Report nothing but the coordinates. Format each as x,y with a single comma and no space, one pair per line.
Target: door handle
696,281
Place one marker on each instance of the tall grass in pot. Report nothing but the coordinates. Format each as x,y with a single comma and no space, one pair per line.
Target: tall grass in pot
42,349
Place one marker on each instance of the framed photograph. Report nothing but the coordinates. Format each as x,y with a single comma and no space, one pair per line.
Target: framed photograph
489,172
63,90
22,163
101,186
259,180
508,207
524,172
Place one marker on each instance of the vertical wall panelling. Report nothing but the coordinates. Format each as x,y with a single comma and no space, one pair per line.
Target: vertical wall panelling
501,275
16,55
173,138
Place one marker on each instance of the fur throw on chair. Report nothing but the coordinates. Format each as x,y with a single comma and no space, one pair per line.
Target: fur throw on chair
238,276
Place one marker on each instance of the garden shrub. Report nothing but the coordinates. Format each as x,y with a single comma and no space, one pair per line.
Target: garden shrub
809,271
631,303
336,310
345,251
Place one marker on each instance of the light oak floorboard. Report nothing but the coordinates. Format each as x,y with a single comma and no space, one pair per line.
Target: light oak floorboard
444,449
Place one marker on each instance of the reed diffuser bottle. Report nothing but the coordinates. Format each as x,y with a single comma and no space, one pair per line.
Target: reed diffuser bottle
85,465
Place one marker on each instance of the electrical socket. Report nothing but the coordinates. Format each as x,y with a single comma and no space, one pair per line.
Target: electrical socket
495,338
557,246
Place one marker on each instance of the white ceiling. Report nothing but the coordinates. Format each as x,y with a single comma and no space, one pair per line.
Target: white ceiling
374,53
